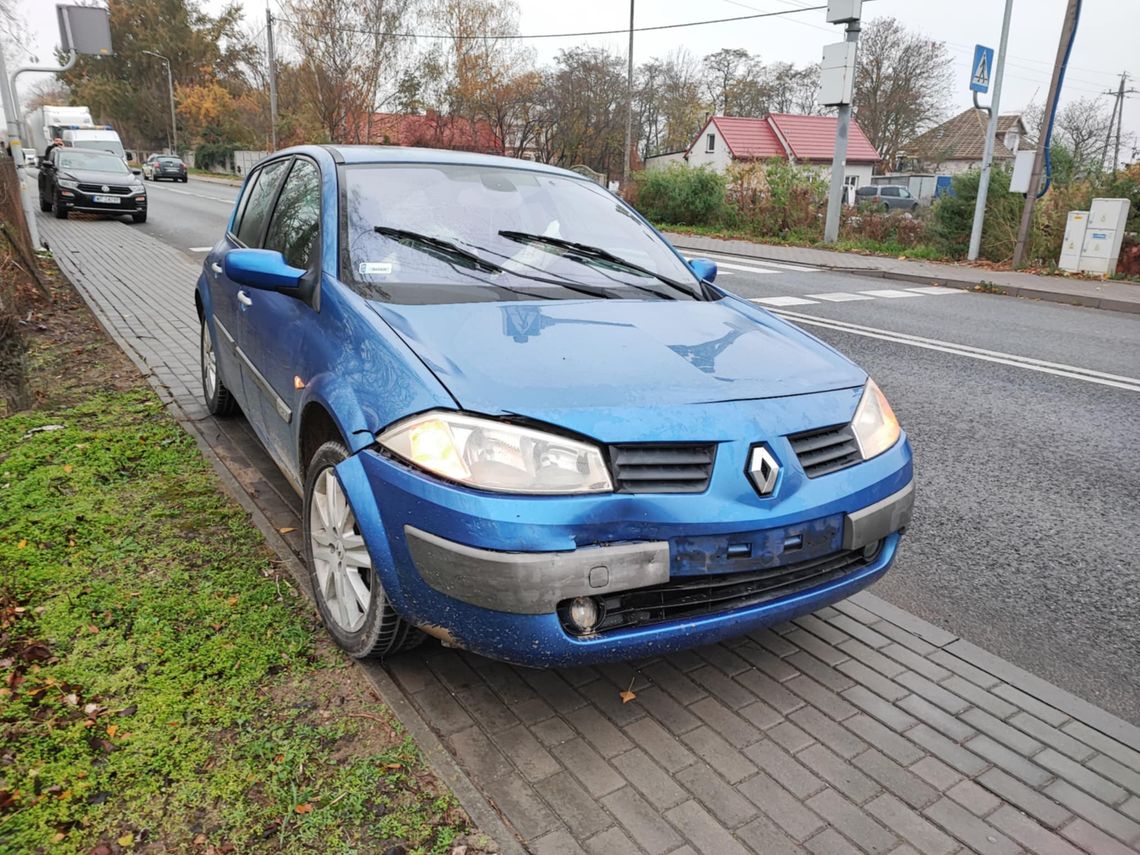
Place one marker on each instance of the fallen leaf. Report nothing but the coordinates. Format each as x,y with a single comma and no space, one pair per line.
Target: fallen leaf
67,467
72,700
232,600
304,808
393,765
287,529
58,837
126,840
199,839
91,709
91,628
627,696
23,543
112,729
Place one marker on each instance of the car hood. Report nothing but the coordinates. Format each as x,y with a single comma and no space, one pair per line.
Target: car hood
536,359
88,176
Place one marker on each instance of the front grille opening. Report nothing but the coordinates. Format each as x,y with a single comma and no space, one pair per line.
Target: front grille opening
826,449
688,597
116,189
662,467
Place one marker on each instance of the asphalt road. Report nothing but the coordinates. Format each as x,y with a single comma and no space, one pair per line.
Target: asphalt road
1025,430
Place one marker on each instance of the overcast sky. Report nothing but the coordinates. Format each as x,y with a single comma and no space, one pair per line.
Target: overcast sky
1105,45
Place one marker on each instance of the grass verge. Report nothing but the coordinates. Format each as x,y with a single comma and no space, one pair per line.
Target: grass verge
163,687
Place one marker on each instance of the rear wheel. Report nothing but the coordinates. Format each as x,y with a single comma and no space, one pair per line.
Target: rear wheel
347,588
218,399
57,207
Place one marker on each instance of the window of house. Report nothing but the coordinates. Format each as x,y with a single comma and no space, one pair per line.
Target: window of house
851,180
710,142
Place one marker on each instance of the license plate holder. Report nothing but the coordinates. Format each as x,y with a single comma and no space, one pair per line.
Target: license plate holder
106,200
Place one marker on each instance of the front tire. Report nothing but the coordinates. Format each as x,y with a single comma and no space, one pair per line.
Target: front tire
140,217
58,208
218,399
351,599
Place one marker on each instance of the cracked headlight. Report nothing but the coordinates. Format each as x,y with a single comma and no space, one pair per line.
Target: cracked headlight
875,426
492,455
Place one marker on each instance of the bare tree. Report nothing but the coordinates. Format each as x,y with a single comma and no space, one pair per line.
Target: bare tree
902,84
585,123
1083,126
791,89
723,71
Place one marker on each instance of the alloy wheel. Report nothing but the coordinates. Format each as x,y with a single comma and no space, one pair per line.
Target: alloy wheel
209,362
341,562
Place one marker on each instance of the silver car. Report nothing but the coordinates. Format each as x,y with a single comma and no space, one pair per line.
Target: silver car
886,197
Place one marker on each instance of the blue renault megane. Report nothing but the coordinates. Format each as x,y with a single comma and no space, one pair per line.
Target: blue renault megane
522,423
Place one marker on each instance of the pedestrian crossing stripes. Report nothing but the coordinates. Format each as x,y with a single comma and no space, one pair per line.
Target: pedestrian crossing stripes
850,296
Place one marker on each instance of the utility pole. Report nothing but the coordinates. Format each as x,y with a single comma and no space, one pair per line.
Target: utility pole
170,87
1118,97
629,105
839,159
991,134
1120,118
1068,31
272,79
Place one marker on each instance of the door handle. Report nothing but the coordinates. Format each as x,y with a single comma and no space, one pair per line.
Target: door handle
217,268
244,299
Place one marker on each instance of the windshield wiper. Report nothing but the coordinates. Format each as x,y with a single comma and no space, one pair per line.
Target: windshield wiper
595,253
439,248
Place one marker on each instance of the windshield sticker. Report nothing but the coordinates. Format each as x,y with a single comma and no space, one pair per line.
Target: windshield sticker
375,268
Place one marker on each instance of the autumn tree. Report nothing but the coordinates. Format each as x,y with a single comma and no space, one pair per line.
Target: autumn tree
585,95
723,72
902,84
791,89
668,106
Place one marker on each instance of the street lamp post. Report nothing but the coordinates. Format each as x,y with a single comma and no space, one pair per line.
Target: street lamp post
170,85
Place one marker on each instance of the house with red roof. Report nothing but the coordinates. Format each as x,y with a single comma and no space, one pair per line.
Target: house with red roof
807,140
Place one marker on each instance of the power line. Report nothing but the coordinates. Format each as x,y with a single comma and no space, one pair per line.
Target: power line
521,36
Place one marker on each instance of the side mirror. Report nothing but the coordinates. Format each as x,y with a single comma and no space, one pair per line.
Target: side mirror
264,269
703,268
136,171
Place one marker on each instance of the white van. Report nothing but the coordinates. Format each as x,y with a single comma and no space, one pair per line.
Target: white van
99,139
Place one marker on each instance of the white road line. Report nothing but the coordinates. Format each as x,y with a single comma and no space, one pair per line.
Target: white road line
936,290
799,268
839,297
722,264
200,248
783,301
199,195
890,293
1058,369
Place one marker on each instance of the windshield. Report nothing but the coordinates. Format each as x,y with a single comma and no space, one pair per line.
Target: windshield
481,211
100,145
92,162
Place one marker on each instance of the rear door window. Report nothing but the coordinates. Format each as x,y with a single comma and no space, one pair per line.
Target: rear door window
256,202
296,219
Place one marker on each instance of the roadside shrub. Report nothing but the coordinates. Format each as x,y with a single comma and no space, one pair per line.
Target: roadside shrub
214,155
777,199
680,195
953,216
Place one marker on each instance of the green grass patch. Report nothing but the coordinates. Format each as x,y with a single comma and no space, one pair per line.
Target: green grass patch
160,683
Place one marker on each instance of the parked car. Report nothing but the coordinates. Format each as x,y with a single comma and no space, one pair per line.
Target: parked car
94,182
160,166
31,158
522,423
888,197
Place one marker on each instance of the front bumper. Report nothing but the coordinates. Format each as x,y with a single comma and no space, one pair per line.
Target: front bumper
78,200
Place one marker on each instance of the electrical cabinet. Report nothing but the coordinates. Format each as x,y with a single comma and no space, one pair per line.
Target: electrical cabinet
1074,241
1102,236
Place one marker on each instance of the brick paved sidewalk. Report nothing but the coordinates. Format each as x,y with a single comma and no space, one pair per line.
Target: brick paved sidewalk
858,729
1115,295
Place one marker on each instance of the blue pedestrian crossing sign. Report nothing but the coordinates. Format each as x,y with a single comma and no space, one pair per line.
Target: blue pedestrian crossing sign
980,68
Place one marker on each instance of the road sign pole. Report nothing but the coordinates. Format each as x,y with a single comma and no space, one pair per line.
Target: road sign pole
991,134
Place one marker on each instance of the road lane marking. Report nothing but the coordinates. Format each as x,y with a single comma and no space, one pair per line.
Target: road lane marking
1058,369
936,290
199,195
783,301
799,268
839,297
200,248
889,293
721,264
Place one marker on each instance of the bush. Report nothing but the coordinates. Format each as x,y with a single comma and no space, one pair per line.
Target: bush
777,199
953,216
214,155
680,195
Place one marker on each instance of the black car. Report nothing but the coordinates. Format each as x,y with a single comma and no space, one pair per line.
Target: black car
159,166
95,182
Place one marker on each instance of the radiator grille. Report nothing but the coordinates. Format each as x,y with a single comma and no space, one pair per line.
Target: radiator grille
826,449
118,189
662,468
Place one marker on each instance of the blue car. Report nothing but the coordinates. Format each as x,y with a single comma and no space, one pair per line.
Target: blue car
522,423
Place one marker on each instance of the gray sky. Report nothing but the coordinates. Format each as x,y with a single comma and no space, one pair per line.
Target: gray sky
1105,45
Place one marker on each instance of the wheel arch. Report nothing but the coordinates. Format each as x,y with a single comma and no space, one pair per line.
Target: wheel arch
316,427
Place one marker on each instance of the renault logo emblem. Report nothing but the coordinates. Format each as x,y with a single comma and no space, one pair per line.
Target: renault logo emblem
763,470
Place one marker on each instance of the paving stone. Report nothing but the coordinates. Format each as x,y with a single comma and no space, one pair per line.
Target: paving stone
1028,833
820,671
532,710
579,675
1092,839
553,731
517,799
614,842
932,692
678,685
1024,798
1081,776
478,754
770,691
667,711
723,659
1104,744
1116,771
556,843
1131,808
950,752
785,769
778,644
803,640
873,658
1052,736
781,807
725,722
651,780
821,697
856,823
724,802
822,629
828,842
979,697
1049,715
486,708
599,731
865,677
642,821
1008,736
760,715
703,830
962,668
899,749
682,660
1011,761
838,772
762,835
852,609
907,824
766,661
552,689
876,707
659,744
836,737
719,754
411,673
596,775
441,711
860,631
532,760
506,682
972,797
619,674
976,833
606,698
914,662
1098,813
722,687
577,808
907,639
791,736
452,671
902,782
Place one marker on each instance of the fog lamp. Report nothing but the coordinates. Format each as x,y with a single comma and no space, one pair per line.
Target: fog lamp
871,550
584,613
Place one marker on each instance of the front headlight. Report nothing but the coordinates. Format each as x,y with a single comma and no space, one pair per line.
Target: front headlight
492,455
876,428
68,183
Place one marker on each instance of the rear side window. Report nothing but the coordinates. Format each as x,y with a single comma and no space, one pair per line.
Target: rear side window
256,201
890,191
296,219
866,191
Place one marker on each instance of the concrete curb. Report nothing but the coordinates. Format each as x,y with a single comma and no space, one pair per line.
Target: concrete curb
1093,301
482,812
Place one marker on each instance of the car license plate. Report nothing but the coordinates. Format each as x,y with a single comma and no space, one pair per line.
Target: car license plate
106,200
